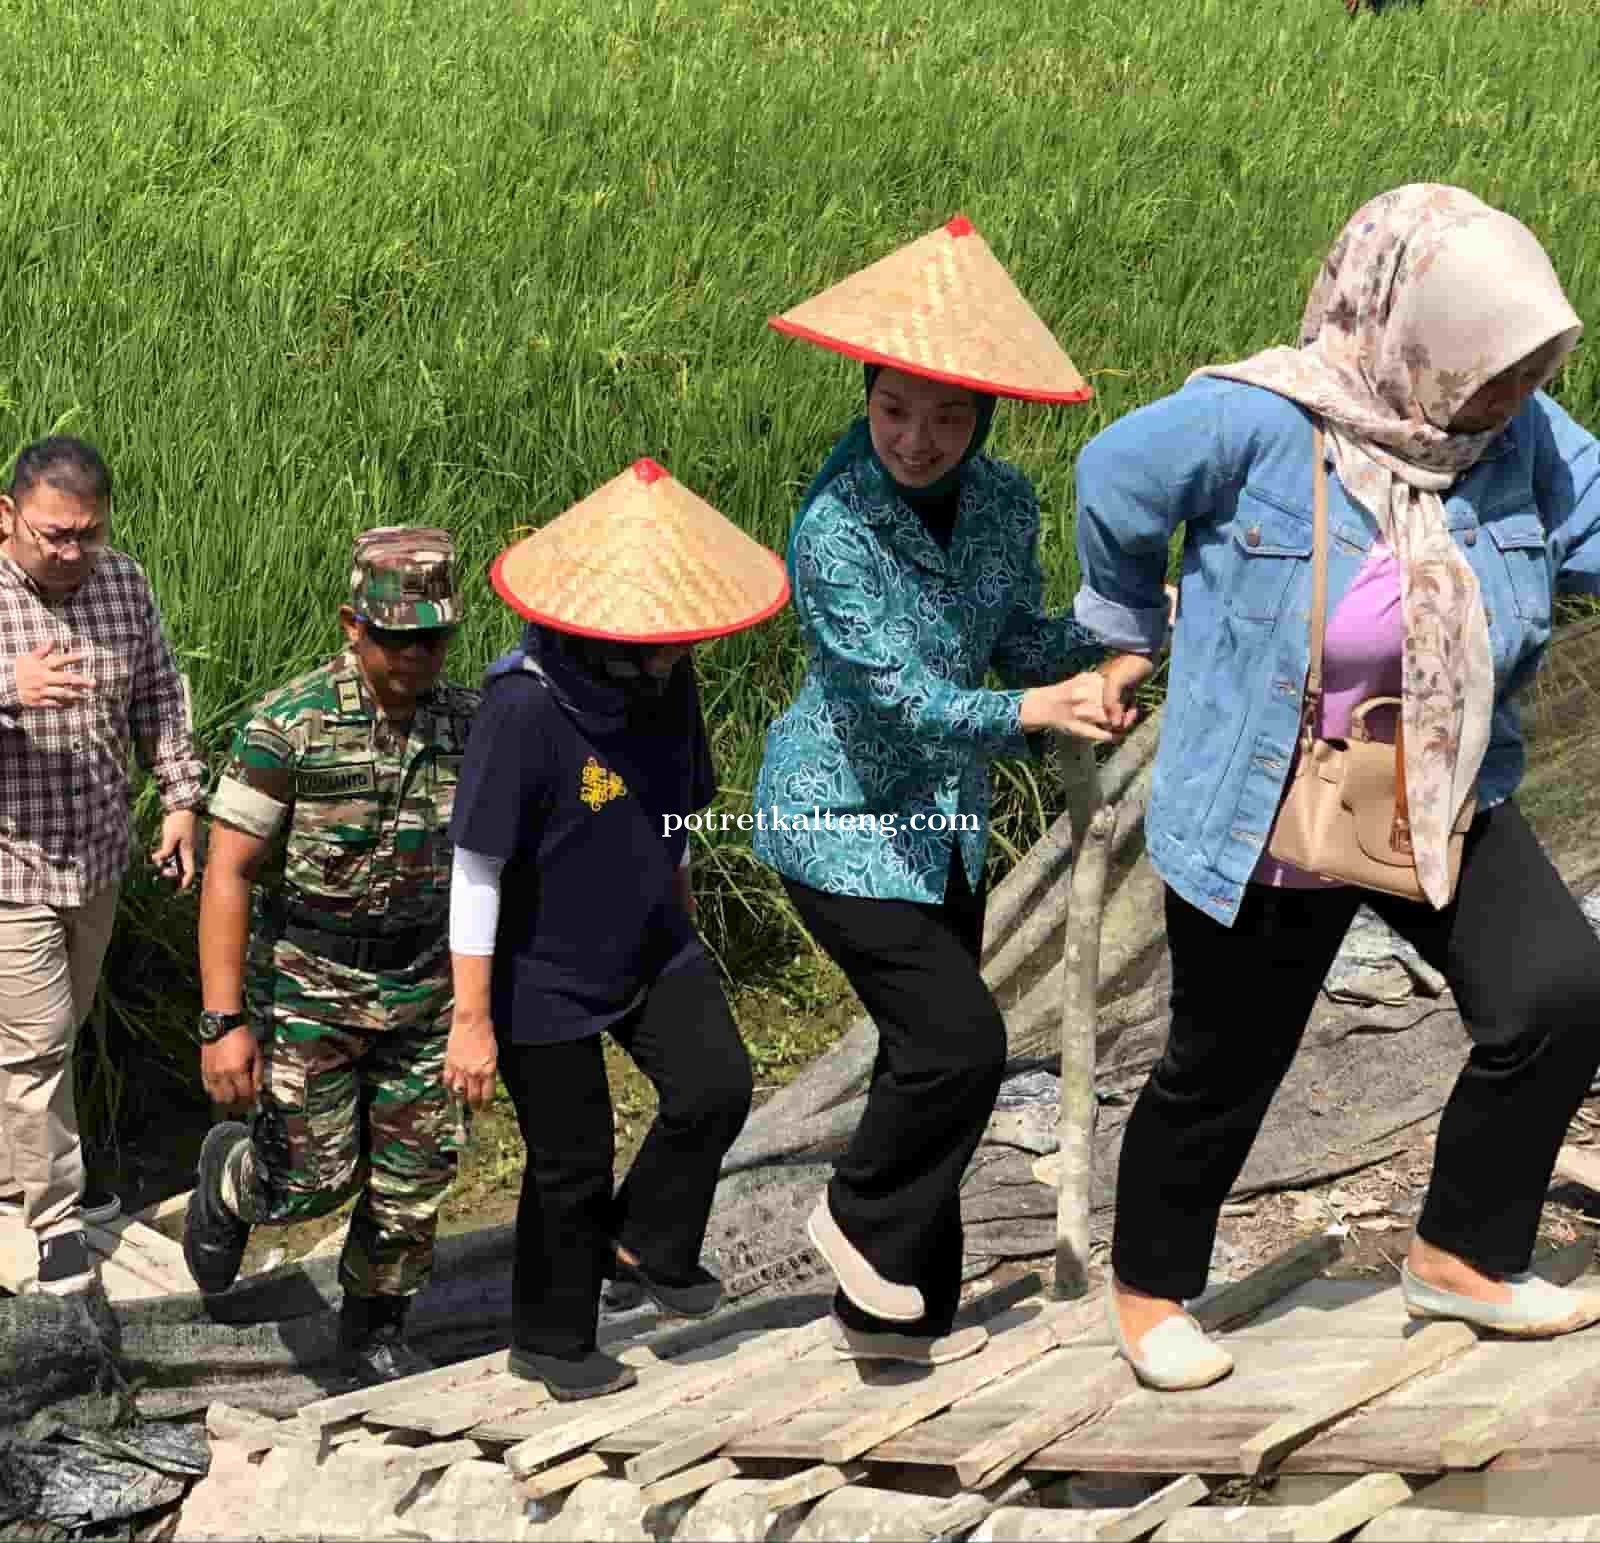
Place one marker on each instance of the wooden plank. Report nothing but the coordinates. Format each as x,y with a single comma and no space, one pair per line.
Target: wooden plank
459,1409
1437,1343
1305,1261
767,1409
966,1511
362,1401
19,1253
1423,1524
128,1232
390,1461
159,1211
811,1484
990,1460
627,1408
121,1284
1353,1506
1149,1514
1570,1376
121,1278
564,1476
1579,1165
257,1432
479,1402
939,1389
690,1482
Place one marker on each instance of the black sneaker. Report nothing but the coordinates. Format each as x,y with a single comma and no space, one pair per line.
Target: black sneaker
65,1265
213,1237
588,1376
697,1296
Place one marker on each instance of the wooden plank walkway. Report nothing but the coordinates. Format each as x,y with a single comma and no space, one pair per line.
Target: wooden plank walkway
1331,1377
136,1262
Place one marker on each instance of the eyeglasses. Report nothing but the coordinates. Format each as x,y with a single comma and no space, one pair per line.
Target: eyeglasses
393,639
88,542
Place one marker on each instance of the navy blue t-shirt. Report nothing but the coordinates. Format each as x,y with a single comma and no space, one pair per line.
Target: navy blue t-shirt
567,780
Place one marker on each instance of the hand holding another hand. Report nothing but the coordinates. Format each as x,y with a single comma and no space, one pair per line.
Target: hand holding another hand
1121,676
1074,706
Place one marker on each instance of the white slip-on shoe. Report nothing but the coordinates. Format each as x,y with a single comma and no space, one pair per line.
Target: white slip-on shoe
915,1349
1173,1356
857,1279
1538,1308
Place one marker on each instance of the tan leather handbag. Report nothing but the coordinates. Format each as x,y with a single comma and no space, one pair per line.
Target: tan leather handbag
1344,814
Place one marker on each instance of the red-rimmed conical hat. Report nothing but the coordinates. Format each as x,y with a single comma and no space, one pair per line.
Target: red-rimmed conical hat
943,307
642,560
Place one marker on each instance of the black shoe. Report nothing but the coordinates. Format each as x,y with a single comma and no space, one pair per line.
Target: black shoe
587,1377
385,1357
213,1237
372,1342
99,1205
699,1296
66,1267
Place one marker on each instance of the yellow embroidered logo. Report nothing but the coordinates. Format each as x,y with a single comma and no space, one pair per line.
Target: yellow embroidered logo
599,786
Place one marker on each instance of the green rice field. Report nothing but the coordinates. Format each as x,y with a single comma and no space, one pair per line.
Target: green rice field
303,267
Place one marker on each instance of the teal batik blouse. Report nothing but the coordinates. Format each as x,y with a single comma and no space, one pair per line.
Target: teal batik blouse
881,762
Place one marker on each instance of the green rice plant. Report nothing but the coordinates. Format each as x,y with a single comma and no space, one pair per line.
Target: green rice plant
302,267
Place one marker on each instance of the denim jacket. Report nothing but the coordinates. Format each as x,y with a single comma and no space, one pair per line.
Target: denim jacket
1232,464
892,720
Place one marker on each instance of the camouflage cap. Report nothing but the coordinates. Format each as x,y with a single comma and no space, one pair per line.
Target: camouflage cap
404,577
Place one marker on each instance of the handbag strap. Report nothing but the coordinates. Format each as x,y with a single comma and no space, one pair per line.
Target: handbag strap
1400,827
1311,709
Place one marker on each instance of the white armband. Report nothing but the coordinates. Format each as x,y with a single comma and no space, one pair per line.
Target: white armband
474,902
246,808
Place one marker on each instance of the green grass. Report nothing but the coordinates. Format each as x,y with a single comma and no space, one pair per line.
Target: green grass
302,267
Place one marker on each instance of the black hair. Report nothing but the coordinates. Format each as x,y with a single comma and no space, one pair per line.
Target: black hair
72,466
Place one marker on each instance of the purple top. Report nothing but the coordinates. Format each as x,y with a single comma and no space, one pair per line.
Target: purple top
1361,658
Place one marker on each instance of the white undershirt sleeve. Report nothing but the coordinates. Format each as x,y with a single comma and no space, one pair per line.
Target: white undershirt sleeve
474,902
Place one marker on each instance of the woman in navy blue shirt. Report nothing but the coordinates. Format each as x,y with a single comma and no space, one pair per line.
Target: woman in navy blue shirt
572,914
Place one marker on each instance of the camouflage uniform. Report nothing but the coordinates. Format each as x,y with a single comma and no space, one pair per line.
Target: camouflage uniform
348,972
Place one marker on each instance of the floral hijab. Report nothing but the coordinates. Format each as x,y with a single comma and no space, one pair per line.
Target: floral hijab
1427,295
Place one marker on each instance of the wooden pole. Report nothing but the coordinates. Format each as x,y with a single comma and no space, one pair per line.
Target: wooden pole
1092,825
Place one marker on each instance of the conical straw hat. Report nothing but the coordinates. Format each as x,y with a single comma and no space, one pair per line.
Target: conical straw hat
642,560
942,307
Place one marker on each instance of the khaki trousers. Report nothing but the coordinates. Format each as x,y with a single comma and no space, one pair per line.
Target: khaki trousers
50,958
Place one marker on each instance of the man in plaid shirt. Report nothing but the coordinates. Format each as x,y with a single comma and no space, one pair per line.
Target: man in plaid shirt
85,676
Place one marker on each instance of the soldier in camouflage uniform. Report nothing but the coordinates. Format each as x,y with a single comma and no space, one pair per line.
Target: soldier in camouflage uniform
327,991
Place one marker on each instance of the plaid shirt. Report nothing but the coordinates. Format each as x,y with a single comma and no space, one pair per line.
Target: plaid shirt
65,829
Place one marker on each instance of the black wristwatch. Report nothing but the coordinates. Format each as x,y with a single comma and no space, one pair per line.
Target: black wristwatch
213,1026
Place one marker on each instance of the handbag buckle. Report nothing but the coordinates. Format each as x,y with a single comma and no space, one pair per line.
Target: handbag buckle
1400,836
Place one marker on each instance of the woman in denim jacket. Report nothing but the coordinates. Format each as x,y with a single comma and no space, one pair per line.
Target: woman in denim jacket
1461,499
914,563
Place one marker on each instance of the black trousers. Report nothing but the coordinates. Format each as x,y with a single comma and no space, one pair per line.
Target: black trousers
1524,965
896,1192
683,1038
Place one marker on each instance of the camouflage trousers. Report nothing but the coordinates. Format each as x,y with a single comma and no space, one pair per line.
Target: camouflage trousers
347,1111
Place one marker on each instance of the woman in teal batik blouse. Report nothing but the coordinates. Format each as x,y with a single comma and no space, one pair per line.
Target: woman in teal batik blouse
915,568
